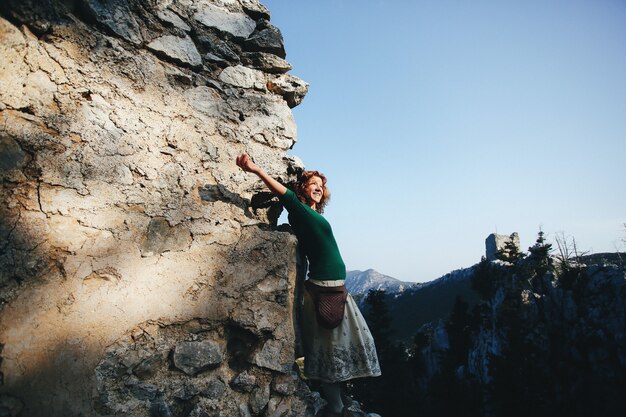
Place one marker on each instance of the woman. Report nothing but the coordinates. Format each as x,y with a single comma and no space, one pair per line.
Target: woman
347,351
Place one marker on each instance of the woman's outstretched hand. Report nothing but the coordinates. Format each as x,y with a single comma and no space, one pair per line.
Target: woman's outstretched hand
245,162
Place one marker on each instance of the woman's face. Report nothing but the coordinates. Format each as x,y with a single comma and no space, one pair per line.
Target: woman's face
314,190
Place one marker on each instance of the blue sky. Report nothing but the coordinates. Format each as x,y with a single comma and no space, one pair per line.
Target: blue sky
440,122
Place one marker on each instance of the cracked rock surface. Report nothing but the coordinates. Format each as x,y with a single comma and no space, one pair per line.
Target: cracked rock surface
138,276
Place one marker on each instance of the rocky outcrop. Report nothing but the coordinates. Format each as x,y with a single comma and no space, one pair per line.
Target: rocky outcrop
138,274
552,343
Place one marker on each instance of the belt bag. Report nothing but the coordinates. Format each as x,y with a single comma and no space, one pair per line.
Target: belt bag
330,303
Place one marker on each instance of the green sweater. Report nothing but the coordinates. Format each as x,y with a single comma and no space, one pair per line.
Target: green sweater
316,239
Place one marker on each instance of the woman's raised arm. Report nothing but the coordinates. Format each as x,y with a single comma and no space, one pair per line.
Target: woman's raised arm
245,162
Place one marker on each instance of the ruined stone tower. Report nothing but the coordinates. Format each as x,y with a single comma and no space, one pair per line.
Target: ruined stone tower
495,243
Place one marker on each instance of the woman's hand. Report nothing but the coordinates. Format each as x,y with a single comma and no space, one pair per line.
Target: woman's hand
245,162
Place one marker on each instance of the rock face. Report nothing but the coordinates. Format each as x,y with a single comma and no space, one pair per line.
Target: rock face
137,276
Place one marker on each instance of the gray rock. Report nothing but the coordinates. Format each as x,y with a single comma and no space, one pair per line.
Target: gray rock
255,9
148,367
237,24
159,408
110,368
215,389
161,237
198,411
314,403
281,407
244,411
11,154
265,62
269,123
211,192
270,356
284,384
195,357
206,100
209,57
115,15
179,50
291,88
266,38
240,76
219,48
186,391
172,18
244,382
211,151
259,398
143,391
130,358
41,15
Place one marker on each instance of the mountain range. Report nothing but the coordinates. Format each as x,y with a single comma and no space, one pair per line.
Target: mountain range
410,304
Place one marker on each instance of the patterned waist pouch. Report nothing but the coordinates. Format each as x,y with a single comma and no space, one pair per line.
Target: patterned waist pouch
329,302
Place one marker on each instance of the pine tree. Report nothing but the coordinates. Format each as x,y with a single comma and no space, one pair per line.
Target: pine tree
539,261
391,394
510,253
378,319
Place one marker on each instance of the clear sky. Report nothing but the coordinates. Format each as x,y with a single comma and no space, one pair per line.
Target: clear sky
440,122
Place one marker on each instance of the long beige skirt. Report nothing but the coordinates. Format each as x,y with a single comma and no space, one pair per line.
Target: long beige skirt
340,354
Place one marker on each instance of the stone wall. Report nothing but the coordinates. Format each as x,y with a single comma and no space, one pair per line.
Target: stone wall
139,273
496,243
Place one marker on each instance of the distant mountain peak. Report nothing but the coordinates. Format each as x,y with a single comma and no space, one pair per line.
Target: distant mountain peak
361,282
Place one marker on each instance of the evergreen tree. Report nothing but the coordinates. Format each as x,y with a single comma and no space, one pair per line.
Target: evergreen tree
538,264
392,394
539,255
378,319
510,253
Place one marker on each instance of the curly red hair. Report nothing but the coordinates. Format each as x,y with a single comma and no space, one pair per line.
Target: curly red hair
303,181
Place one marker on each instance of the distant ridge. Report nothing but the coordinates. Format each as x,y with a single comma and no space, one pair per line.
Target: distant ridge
430,302
412,305
361,282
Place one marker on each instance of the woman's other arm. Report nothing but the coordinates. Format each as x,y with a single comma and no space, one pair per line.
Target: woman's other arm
245,162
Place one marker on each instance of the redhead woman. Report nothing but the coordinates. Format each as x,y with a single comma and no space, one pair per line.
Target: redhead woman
341,349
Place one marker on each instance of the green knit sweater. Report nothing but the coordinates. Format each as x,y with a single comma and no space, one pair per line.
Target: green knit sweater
316,239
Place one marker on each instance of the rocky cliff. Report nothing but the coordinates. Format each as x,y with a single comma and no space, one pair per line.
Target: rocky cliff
550,343
139,273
